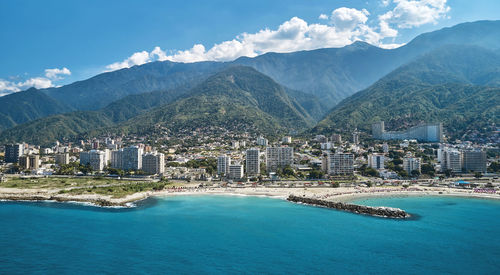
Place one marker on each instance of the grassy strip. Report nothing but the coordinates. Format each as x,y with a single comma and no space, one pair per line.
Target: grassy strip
118,191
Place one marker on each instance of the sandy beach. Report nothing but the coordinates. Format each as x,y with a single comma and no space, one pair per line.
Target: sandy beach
341,194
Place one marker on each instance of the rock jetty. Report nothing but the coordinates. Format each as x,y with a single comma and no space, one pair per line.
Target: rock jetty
386,212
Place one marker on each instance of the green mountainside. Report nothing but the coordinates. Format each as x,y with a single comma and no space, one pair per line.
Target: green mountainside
238,98
329,75
18,108
456,85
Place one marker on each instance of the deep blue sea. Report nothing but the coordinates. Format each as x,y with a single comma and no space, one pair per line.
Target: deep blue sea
223,234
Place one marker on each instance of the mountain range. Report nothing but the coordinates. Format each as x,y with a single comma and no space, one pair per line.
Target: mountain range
424,80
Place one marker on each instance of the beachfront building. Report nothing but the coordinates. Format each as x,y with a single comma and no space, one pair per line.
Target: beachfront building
411,163
153,163
474,161
278,157
223,163
376,161
132,158
429,132
340,163
13,152
95,158
235,171
451,160
253,162
62,159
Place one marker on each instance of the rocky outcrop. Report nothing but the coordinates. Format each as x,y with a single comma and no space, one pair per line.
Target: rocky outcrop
386,212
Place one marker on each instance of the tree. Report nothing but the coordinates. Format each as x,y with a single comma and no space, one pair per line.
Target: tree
403,174
415,173
494,167
478,175
315,174
428,169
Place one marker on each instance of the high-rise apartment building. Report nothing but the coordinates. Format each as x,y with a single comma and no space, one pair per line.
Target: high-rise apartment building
376,161
131,158
13,152
340,163
153,163
451,160
253,162
95,158
411,163
235,171
278,157
223,163
429,132
62,159
474,161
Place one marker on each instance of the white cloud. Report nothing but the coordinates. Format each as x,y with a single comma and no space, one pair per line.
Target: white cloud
323,16
414,13
347,19
346,25
54,73
40,82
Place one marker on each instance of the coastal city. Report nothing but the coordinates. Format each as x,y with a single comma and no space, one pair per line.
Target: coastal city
418,155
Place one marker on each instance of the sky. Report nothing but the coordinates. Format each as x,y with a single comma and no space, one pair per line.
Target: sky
56,42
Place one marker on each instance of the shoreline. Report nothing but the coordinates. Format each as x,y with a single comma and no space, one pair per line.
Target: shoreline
341,194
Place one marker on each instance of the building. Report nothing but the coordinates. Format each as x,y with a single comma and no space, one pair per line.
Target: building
235,171
153,163
116,159
340,164
385,148
131,158
24,162
95,158
355,138
376,161
62,159
429,132
327,146
13,152
278,157
223,163
261,141
253,162
451,160
336,138
34,161
410,164
474,161
286,139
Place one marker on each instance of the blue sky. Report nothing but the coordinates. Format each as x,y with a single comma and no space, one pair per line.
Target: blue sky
51,43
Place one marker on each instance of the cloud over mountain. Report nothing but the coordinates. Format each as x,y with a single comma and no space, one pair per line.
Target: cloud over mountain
344,26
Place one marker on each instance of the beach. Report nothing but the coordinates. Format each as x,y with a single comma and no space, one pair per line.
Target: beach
340,194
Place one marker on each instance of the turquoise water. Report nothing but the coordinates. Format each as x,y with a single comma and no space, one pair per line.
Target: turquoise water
214,234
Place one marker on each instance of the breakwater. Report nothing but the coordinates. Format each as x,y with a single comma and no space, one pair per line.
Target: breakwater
386,212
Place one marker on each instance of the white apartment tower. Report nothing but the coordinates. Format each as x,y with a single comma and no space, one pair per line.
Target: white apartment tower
235,171
223,163
376,161
340,163
411,163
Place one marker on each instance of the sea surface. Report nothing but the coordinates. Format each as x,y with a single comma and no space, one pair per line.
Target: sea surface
250,235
